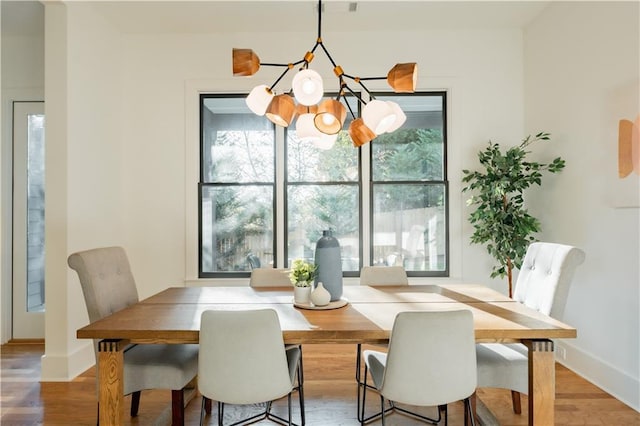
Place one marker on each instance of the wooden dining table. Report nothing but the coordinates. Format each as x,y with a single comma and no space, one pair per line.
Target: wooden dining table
173,316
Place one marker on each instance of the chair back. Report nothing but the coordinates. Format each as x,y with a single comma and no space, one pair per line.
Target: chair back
242,358
383,275
269,277
545,277
106,280
431,359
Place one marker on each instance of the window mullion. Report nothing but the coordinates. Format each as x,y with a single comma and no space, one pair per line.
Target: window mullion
280,187
365,202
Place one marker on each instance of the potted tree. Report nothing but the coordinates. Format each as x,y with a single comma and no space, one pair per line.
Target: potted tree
501,220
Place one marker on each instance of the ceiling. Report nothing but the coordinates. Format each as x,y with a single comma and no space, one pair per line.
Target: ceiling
24,17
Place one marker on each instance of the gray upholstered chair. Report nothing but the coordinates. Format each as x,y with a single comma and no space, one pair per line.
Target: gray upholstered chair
376,276
543,284
431,362
108,286
243,361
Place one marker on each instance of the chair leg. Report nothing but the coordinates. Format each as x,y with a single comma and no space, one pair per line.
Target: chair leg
207,405
203,409
135,403
442,412
301,392
473,405
358,362
177,407
364,397
469,415
382,409
359,380
300,369
515,400
220,413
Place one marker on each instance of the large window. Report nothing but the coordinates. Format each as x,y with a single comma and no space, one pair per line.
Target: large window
266,197
409,189
323,194
237,187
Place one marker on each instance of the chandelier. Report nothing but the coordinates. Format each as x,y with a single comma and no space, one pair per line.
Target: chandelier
320,120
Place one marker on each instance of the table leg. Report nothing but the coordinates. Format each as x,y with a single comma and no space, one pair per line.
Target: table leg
110,377
542,382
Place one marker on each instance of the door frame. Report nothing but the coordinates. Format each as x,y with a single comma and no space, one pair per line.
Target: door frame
24,324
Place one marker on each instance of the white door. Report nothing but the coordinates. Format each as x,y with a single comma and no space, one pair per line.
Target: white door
28,220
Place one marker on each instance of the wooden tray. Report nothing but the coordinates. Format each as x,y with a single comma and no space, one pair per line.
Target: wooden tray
332,305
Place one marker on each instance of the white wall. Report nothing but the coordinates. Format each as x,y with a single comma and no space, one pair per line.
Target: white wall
84,159
581,77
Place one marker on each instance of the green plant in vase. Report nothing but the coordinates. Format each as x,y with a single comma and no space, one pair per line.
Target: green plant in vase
302,273
500,219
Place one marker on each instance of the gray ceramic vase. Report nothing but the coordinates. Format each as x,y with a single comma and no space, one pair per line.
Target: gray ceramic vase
329,261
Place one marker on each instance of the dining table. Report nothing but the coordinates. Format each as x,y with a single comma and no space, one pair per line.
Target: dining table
366,317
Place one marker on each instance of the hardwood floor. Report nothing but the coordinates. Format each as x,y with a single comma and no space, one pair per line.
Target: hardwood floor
330,395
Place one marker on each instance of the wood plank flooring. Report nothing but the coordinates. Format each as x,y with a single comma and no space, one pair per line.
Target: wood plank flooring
330,395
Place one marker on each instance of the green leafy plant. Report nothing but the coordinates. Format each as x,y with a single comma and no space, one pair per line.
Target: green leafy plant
500,219
302,273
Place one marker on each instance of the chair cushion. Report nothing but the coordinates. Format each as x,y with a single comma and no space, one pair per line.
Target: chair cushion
159,367
503,366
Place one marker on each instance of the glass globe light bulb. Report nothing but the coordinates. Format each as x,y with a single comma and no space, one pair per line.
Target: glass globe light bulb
328,119
308,86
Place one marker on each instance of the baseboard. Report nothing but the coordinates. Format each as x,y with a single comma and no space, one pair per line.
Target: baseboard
64,368
25,342
610,379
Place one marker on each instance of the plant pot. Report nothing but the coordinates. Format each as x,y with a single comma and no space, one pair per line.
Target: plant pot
301,294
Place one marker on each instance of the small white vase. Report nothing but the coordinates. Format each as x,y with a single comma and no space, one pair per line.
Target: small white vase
301,294
320,296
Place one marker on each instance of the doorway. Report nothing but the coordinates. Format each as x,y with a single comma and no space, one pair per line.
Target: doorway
28,220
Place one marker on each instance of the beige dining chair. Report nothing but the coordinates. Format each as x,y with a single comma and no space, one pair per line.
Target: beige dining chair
276,277
543,284
108,286
431,362
376,276
269,277
243,361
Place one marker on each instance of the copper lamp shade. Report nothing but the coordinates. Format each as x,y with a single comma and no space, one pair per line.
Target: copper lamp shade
281,110
403,77
303,109
330,117
245,62
360,133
